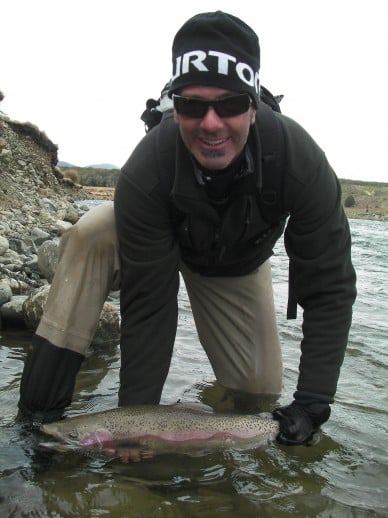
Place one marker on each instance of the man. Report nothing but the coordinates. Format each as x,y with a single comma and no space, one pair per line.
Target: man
189,200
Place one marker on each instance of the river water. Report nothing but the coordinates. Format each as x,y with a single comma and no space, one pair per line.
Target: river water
345,474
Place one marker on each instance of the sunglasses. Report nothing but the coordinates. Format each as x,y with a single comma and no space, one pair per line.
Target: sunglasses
226,107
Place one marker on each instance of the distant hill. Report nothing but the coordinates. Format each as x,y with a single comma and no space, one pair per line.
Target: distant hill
65,164
94,166
103,166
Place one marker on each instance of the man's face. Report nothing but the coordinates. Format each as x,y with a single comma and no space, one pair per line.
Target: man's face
213,140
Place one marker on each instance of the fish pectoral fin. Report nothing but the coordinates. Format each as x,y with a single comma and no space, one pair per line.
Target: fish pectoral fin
129,452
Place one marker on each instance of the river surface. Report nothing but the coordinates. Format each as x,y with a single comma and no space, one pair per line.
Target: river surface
344,475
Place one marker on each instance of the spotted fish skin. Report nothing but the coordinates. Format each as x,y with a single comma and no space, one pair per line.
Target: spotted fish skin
179,427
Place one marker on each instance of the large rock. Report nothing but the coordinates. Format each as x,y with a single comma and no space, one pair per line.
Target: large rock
5,292
39,236
108,329
33,306
12,312
48,258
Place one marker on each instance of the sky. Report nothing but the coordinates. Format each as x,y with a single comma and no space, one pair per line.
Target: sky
82,70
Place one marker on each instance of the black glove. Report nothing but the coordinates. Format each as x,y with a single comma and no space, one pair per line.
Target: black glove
47,383
298,423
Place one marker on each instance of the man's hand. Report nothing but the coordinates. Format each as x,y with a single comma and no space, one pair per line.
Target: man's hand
298,423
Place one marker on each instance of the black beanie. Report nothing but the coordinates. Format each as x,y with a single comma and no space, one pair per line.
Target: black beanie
216,49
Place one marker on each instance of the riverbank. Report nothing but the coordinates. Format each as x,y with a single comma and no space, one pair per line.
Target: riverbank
37,204
371,203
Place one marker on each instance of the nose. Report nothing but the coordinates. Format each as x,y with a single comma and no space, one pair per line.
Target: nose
211,121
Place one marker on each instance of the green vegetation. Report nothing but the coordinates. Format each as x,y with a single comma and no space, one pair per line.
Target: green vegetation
92,176
364,198
350,201
72,174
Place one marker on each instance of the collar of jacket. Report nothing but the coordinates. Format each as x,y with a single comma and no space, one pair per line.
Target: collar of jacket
244,168
188,194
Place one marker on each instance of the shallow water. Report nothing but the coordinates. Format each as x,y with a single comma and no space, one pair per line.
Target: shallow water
345,474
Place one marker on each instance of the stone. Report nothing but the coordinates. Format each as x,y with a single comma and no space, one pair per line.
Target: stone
108,329
33,307
71,216
4,245
5,292
12,312
39,236
61,226
19,246
48,259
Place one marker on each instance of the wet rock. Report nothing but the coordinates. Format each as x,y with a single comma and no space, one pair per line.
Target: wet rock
12,313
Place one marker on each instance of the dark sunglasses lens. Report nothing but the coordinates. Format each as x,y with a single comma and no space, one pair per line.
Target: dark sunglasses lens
190,107
196,108
232,106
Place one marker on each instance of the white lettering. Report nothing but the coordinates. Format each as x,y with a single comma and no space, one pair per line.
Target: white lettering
177,68
196,58
245,73
257,83
223,61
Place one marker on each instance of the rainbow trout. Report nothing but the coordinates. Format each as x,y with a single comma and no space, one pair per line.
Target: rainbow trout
179,428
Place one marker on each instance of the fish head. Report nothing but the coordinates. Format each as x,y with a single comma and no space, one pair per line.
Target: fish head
78,433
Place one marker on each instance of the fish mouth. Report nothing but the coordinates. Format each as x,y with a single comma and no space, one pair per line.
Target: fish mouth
52,430
65,441
59,446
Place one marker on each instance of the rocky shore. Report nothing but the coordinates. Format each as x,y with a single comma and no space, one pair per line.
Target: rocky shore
37,204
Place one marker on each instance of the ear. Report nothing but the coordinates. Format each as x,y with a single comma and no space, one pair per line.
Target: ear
175,116
253,116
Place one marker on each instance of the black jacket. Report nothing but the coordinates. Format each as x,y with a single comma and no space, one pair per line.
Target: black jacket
151,228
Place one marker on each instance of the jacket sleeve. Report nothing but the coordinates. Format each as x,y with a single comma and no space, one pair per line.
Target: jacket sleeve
149,259
322,276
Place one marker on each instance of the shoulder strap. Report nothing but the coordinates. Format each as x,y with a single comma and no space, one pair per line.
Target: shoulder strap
166,160
273,164
273,169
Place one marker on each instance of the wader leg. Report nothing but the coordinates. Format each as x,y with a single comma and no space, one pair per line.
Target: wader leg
88,269
236,324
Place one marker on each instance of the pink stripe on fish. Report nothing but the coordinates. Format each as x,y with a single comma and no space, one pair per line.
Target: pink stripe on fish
98,439
193,435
